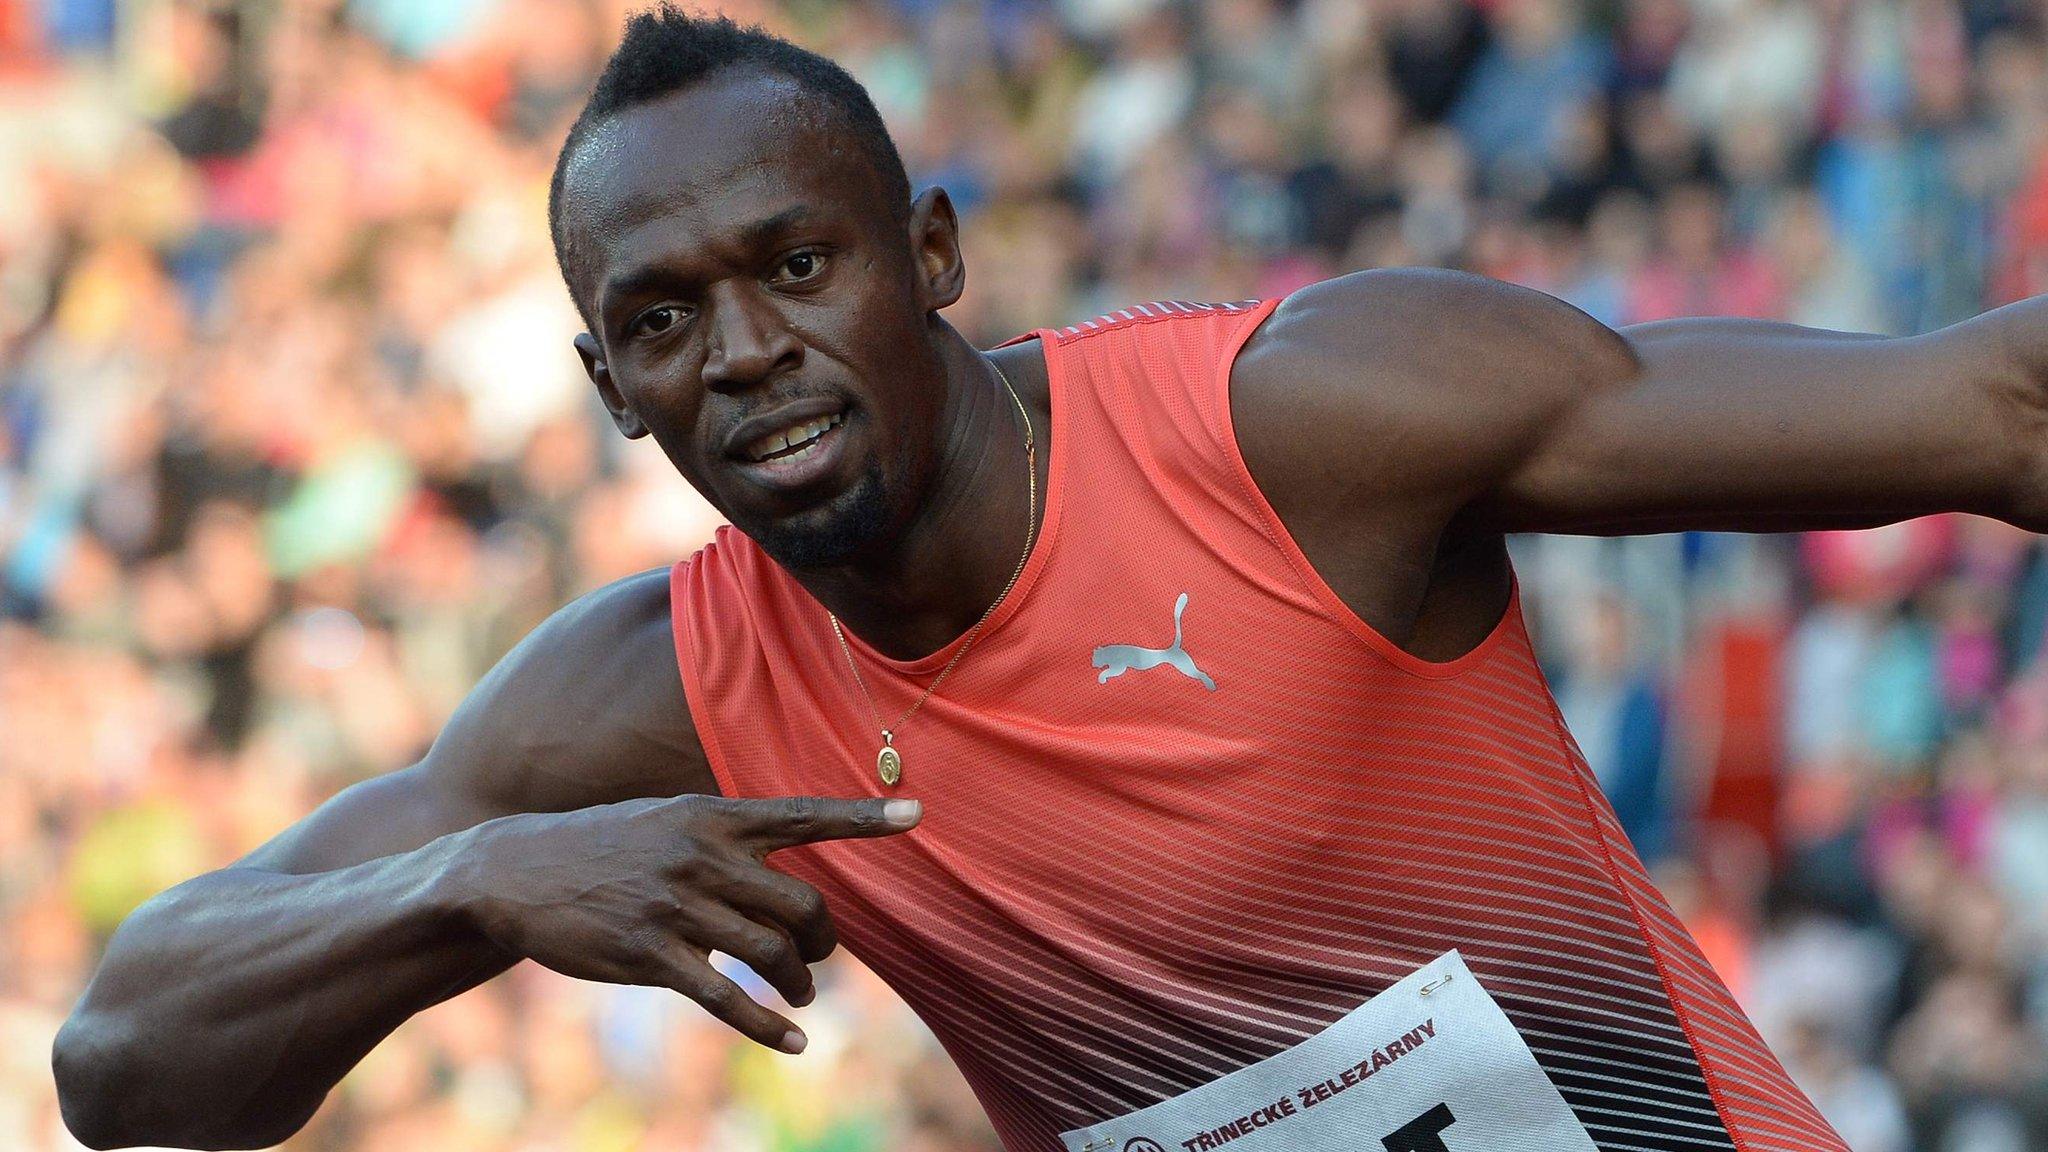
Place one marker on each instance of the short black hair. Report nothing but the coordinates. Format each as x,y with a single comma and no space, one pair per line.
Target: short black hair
665,50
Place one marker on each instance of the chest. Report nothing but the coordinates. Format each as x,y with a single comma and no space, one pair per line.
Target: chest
1199,799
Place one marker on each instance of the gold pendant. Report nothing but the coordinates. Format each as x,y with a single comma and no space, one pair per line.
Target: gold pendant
888,762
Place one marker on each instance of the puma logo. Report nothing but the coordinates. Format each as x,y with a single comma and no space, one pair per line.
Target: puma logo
1117,659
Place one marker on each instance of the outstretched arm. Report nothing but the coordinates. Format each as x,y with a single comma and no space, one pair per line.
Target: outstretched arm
1501,409
1748,425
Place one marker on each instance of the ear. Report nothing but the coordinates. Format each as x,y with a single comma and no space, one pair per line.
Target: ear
935,242
623,415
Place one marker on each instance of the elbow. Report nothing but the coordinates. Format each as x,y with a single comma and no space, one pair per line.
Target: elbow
2010,362
85,1062
110,1096
1605,357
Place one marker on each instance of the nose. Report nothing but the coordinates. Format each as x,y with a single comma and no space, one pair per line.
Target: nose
747,341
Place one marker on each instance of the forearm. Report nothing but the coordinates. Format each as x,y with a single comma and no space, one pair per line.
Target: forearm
226,1007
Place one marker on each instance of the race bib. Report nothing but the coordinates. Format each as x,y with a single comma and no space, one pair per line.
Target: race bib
1430,1065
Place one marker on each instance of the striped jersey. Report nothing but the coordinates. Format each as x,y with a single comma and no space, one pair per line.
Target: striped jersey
1184,809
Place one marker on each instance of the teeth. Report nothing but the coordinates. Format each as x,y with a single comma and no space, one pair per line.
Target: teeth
797,434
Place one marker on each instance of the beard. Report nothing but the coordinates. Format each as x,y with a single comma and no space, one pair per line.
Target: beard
854,521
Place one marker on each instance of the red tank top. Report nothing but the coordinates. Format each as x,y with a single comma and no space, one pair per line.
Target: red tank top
1183,809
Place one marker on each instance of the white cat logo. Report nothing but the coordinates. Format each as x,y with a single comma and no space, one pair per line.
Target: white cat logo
1117,659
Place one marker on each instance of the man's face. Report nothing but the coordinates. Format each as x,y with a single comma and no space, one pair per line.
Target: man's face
762,311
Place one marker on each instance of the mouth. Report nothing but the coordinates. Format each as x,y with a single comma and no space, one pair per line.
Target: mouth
802,450
792,443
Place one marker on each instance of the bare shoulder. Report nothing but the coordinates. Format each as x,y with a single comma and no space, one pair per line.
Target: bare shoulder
587,709
1410,382
1375,408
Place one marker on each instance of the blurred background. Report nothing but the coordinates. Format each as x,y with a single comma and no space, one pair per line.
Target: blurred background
293,446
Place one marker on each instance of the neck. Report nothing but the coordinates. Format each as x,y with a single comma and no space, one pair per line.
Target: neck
951,562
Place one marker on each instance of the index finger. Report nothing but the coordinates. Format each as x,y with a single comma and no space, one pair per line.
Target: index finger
786,821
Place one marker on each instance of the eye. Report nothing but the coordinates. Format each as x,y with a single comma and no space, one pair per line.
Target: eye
655,321
799,266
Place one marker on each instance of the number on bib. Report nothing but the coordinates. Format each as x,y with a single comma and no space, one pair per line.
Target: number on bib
1422,1134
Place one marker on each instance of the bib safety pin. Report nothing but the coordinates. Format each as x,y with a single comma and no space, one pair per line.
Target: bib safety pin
1433,985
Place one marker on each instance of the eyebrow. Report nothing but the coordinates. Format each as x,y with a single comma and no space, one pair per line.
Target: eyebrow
754,234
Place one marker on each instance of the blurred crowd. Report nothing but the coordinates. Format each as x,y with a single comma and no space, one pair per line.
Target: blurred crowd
293,445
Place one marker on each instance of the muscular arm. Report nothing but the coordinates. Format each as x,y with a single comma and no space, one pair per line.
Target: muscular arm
1749,425
1400,421
226,1007
1503,409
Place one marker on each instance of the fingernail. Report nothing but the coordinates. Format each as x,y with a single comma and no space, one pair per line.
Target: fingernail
904,812
793,1042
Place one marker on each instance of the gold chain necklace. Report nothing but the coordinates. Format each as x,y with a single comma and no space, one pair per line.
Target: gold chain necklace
888,761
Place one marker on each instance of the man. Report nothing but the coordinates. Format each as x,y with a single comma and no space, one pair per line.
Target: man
1245,812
